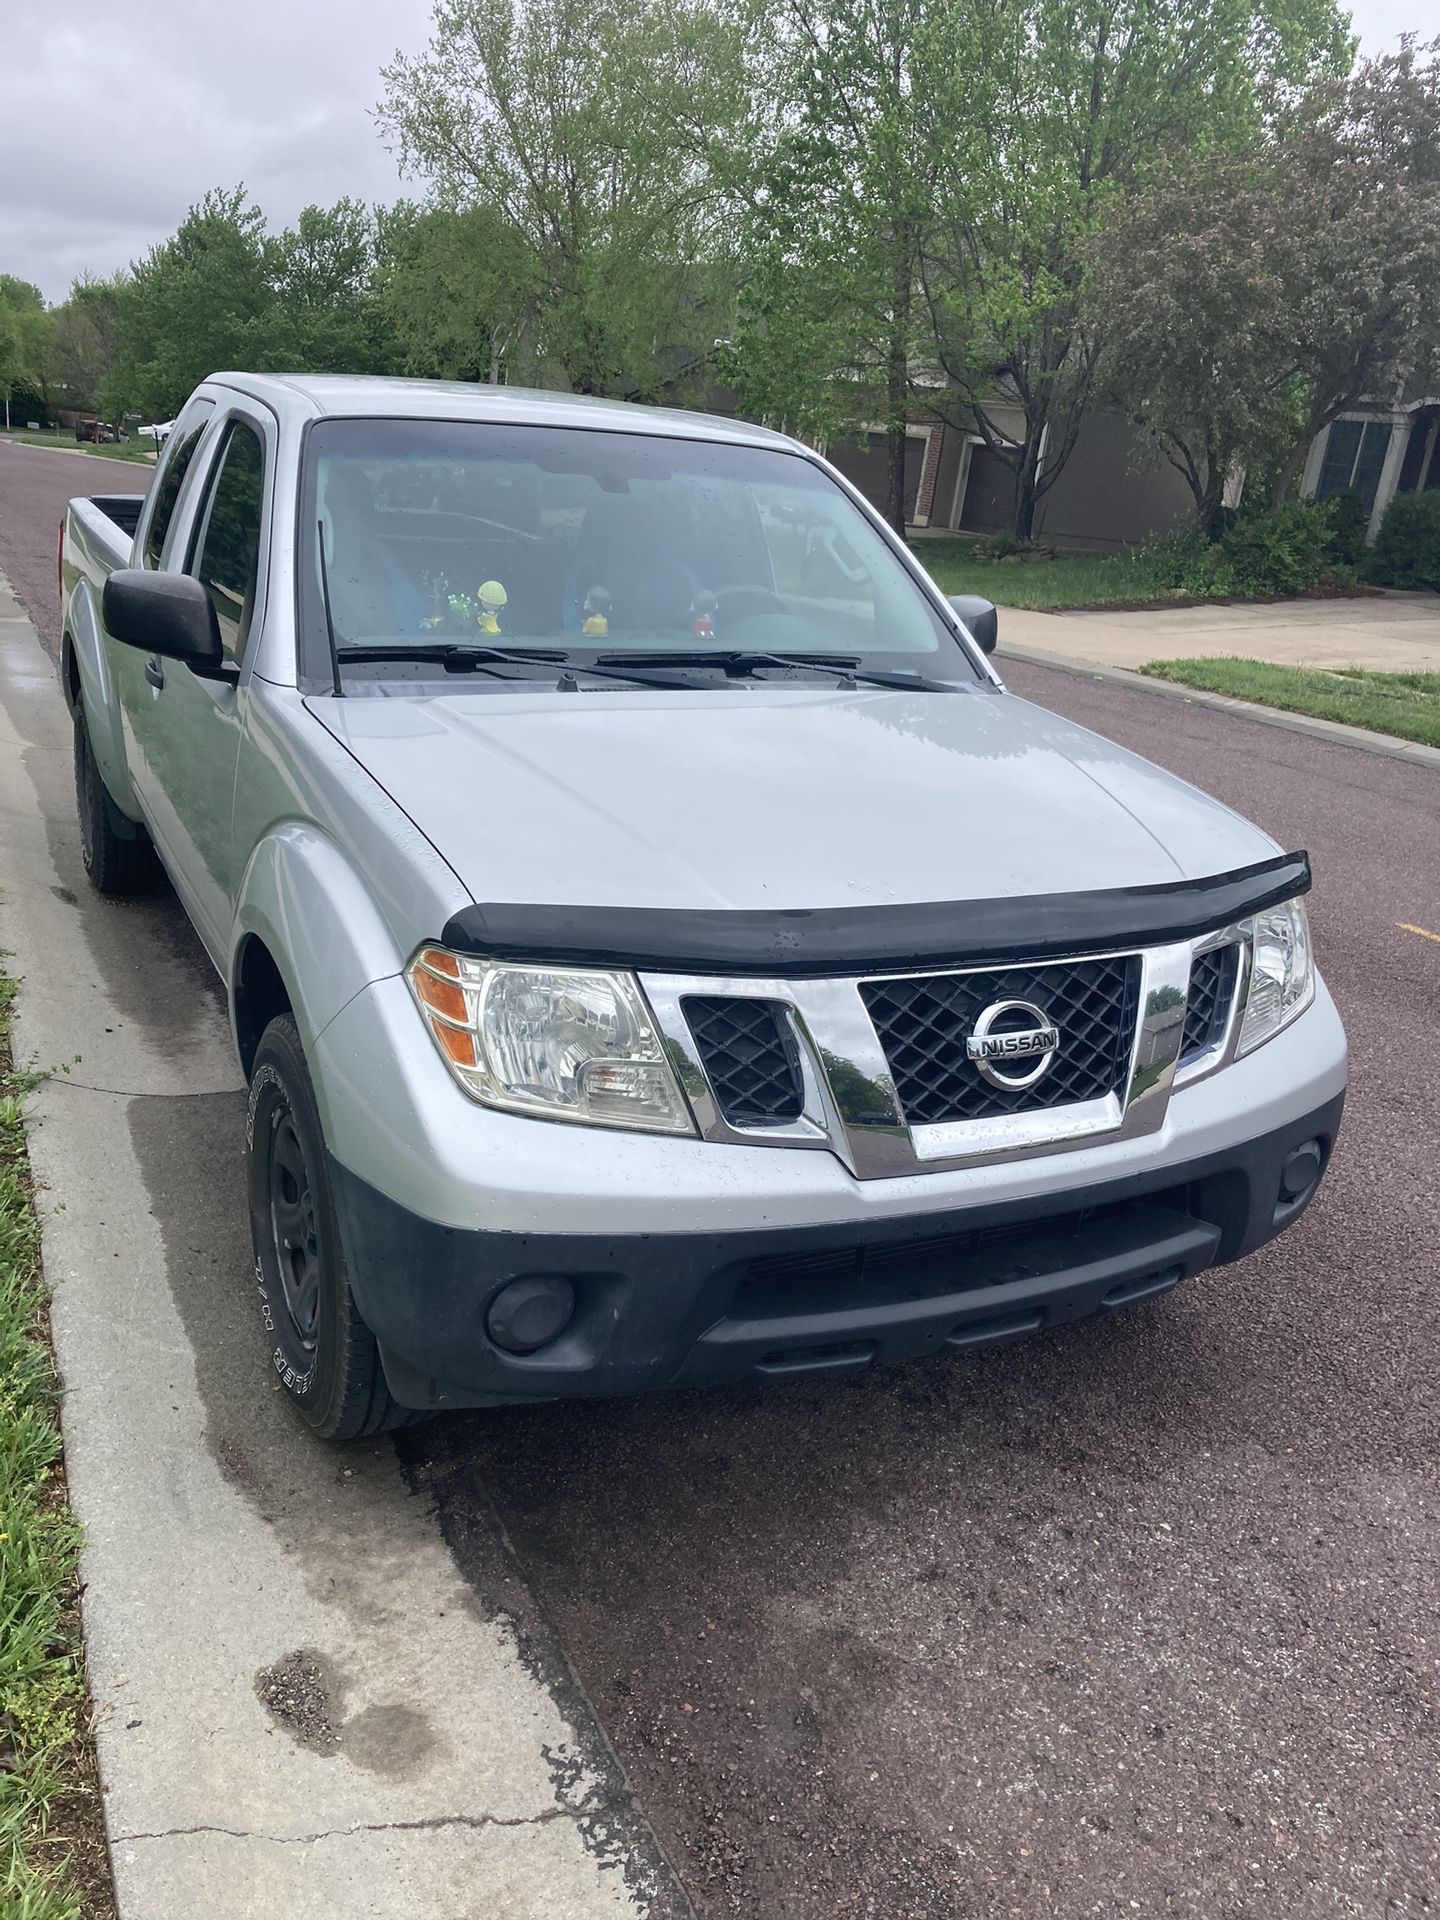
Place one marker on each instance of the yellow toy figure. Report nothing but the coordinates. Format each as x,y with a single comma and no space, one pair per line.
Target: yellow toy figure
597,612
492,597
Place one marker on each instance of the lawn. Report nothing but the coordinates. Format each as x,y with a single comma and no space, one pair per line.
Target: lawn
140,451
1405,704
53,1864
1068,580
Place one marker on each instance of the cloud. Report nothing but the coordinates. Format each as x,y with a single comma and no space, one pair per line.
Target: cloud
117,120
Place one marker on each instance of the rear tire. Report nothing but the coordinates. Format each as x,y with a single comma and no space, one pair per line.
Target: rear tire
324,1355
115,866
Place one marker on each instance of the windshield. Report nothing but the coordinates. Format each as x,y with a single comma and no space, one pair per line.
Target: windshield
594,545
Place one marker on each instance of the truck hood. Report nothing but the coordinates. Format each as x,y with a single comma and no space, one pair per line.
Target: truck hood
753,797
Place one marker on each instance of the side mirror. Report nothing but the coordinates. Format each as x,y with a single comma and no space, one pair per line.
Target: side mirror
980,617
166,613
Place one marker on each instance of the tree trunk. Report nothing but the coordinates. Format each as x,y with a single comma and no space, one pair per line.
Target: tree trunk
1027,475
897,387
1292,466
1211,503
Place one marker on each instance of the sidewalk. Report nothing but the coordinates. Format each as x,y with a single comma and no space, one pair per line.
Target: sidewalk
301,1708
1393,633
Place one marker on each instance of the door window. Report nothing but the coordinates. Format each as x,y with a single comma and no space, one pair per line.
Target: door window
174,464
228,546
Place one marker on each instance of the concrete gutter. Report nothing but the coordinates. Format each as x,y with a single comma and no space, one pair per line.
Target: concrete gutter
1335,731
300,1705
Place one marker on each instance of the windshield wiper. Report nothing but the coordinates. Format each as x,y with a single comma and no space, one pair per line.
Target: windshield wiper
461,656
737,660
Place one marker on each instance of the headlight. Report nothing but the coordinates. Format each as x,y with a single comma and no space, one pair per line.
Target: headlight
559,1043
1282,973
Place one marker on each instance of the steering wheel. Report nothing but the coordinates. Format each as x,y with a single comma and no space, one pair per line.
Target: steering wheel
745,602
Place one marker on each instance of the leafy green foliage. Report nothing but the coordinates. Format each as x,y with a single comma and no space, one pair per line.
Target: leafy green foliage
224,292
1349,523
24,338
587,135
1407,547
42,1681
1074,102
1286,550
1251,297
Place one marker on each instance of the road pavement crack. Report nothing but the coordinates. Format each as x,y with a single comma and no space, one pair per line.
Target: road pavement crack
436,1823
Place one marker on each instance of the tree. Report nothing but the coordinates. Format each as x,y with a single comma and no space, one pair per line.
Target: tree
458,289
1076,100
1357,193
1189,286
328,315
224,292
24,337
198,302
1250,301
86,339
830,313
569,124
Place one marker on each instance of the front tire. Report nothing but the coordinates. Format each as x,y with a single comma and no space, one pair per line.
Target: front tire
116,866
324,1355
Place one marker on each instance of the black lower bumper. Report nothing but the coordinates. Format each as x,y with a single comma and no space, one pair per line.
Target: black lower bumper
662,1310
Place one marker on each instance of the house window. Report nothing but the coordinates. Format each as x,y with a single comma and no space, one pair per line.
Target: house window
1354,455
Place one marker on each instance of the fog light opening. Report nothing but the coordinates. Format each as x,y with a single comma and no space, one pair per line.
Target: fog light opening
1299,1171
527,1314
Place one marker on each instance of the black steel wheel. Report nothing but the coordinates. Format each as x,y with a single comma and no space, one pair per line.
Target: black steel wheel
321,1350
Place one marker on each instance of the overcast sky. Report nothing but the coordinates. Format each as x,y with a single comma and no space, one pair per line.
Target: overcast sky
115,119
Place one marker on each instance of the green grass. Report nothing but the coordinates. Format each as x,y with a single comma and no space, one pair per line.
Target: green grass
46,1765
1404,704
141,451
1068,580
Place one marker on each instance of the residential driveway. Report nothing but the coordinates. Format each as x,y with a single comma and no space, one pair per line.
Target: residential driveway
1391,632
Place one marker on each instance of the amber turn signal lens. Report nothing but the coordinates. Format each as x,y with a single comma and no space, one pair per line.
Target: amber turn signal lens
439,961
441,995
455,1043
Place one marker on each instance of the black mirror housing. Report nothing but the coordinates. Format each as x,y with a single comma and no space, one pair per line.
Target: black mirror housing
166,613
980,617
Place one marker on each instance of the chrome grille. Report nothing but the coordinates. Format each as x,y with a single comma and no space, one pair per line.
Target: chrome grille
750,1059
1207,1009
924,1021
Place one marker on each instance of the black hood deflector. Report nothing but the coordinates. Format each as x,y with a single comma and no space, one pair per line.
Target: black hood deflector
853,940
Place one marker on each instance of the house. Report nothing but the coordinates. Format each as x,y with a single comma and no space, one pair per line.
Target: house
1380,451
1103,498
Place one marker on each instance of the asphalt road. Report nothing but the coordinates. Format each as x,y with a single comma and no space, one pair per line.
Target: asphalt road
1140,1617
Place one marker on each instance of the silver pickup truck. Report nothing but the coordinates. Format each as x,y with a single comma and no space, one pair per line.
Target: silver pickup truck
659,948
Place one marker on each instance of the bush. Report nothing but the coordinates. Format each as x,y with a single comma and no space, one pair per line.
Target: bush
1285,550
1184,561
1407,548
1349,523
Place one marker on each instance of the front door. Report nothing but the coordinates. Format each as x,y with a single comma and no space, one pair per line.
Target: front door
192,729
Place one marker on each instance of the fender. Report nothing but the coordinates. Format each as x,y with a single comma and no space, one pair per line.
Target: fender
304,899
86,678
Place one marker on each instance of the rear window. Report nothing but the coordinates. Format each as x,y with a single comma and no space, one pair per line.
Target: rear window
595,541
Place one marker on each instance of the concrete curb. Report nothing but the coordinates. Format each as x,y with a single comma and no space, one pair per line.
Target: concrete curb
79,453
1335,731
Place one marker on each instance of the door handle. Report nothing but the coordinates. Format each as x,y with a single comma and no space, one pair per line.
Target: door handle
154,673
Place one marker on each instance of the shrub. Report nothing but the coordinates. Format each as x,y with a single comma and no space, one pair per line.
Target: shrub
1184,561
1283,551
1349,523
1407,548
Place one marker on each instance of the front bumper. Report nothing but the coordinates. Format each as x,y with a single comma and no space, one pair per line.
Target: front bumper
660,1309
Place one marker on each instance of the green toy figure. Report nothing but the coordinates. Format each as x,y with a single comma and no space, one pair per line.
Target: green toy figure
597,612
492,597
